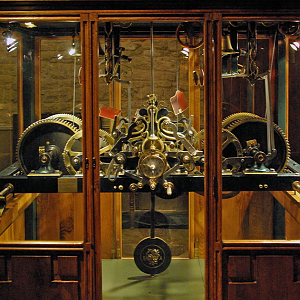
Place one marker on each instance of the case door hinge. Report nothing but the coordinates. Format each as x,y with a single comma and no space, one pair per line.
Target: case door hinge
94,163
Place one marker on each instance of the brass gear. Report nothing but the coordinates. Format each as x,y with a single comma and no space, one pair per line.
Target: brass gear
237,116
250,128
73,149
228,138
41,133
68,117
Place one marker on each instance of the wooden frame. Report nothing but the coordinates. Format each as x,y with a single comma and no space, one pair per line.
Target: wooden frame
217,250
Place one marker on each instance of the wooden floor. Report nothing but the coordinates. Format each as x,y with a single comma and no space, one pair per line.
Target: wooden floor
183,280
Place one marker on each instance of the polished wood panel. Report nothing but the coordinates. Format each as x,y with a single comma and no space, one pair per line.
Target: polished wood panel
12,222
60,217
40,275
263,277
291,203
238,274
196,201
249,215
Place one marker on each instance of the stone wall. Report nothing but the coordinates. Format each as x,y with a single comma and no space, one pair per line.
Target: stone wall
57,77
170,71
8,102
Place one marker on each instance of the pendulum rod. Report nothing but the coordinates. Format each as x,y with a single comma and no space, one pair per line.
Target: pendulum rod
152,216
152,50
74,89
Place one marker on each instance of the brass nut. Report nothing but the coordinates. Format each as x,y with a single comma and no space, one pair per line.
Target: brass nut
133,187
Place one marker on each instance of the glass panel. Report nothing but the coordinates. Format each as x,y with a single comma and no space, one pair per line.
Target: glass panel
41,123
8,103
151,155
260,158
60,68
171,222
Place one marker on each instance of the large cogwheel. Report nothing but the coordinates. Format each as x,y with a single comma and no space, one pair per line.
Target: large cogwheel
49,133
255,128
75,121
231,146
73,150
236,117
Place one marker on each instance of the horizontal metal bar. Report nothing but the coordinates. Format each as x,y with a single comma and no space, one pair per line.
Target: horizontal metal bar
182,183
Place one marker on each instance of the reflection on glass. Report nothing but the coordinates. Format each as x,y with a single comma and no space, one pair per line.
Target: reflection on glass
260,156
8,104
148,90
49,93
171,222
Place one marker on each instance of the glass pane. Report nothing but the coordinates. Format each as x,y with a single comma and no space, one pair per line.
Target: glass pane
8,103
151,114
260,160
42,123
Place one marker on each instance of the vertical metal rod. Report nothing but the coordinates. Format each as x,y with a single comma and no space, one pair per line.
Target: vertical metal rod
177,67
152,51
74,89
152,233
270,131
129,103
128,96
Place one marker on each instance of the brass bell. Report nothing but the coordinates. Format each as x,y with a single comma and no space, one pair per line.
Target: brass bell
227,48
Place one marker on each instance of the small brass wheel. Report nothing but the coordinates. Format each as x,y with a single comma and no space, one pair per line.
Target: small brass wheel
230,143
73,150
289,28
190,34
152,256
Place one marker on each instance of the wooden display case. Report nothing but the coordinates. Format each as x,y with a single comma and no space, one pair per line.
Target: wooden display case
55,229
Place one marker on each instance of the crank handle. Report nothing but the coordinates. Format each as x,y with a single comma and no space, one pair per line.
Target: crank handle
8,188
169,186
296,186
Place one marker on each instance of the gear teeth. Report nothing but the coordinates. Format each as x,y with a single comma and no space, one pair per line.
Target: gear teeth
68,117
236,117
238,122
65,123
103,135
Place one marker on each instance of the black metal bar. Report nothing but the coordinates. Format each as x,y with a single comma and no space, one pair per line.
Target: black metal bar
190,183
152,232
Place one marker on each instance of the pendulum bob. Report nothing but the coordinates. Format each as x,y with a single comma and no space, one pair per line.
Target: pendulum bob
152,256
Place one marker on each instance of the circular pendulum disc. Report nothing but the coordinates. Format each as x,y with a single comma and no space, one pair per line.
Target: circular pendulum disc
152,256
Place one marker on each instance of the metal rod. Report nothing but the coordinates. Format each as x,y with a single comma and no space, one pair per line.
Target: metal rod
152,233
270,130
74,89
152,51
128,96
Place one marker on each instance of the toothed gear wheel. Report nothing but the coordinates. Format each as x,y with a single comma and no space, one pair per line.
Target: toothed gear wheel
46,132
68,117
255,128
236,117
230,143
73,150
